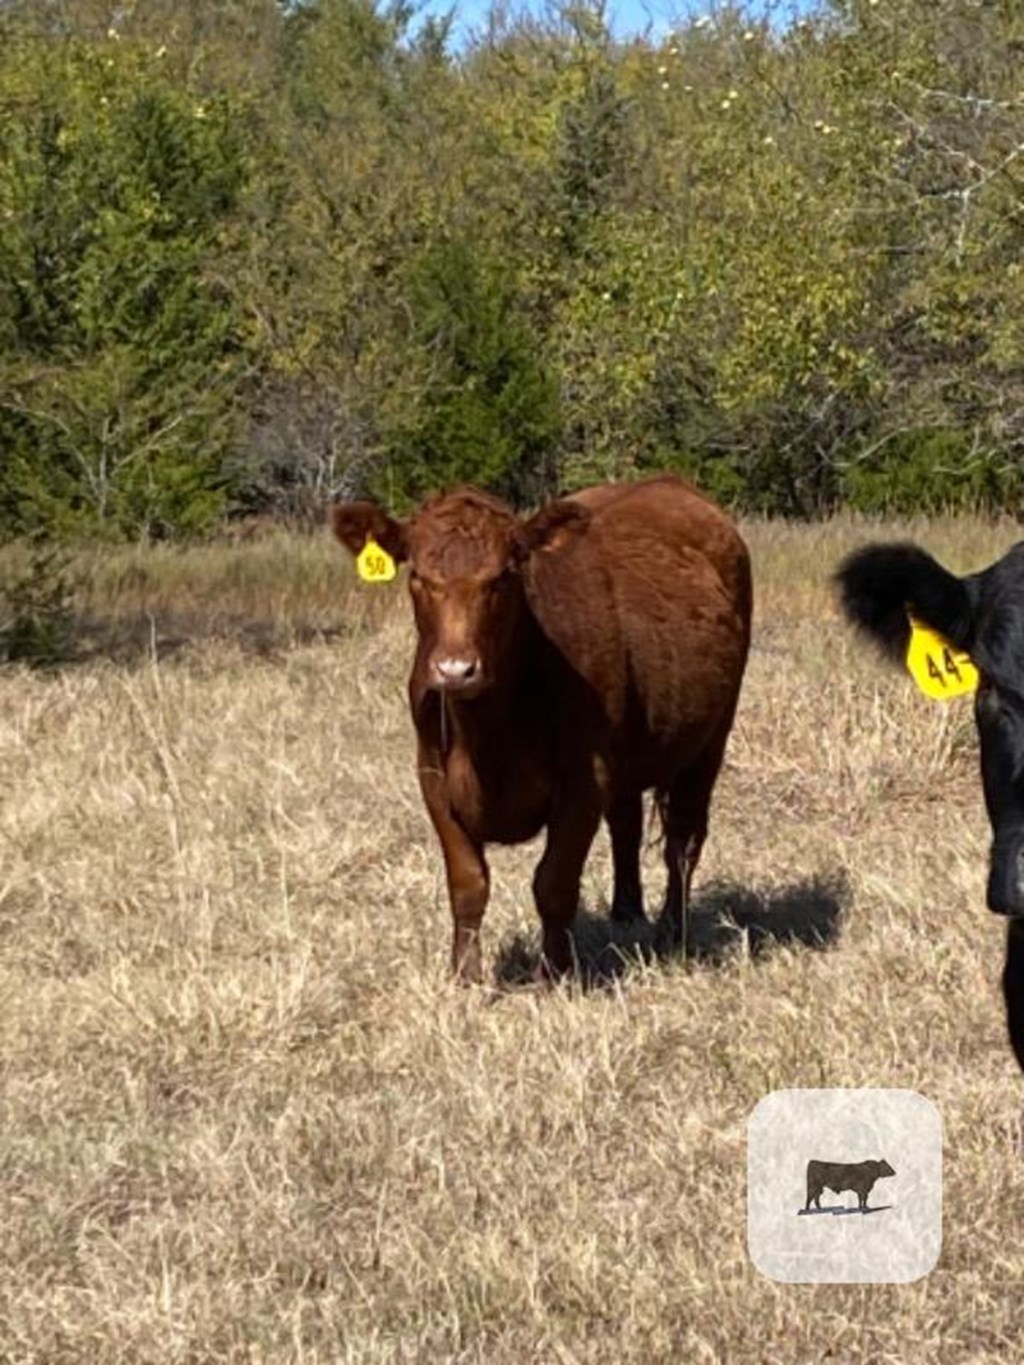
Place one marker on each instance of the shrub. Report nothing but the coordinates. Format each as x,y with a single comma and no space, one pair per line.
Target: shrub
36,615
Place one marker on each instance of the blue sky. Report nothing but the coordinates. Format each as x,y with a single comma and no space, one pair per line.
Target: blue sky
627,17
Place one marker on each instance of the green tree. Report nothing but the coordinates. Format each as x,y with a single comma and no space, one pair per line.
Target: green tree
124,346
488,412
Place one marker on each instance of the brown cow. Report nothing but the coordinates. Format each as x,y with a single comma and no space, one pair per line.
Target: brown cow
567,663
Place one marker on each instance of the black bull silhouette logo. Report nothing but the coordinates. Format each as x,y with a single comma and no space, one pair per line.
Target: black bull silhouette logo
859,1176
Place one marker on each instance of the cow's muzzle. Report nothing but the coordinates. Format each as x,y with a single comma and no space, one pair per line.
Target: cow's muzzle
461,673
1006,874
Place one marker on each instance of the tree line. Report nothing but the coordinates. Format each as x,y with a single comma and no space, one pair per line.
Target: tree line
257,253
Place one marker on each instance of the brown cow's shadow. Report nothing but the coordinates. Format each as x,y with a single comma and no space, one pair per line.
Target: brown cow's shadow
725,918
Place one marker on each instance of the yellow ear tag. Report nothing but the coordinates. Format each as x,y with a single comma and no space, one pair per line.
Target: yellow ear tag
374,564
940,669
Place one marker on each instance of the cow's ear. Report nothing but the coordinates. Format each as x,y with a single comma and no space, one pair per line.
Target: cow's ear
354,523
549,529
880,584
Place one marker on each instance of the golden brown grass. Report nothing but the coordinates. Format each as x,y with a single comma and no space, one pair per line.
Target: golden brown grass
245,1115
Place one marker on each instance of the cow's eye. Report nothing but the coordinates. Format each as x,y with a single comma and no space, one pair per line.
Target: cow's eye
420,583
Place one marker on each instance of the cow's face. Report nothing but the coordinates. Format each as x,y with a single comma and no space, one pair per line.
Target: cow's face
467,598
884,1168
465,552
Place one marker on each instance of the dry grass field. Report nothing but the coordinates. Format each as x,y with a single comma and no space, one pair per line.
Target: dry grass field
245,1115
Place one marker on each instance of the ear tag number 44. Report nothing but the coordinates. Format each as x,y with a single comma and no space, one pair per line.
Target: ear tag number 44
374,564
940,670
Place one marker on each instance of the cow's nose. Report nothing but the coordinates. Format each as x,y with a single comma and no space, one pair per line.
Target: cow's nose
456,671
1006,876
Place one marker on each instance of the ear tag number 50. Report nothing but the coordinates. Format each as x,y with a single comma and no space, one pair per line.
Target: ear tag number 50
940,670
374,564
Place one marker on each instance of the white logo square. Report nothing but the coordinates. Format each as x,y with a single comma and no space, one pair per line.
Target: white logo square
844,1186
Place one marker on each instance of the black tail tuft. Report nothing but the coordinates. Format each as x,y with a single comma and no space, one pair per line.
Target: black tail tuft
879,584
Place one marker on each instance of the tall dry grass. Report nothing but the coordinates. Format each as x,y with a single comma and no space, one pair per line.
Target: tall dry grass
246,1117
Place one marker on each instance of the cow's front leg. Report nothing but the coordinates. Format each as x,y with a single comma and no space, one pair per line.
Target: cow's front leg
1013,987
556,882
469,886
469,882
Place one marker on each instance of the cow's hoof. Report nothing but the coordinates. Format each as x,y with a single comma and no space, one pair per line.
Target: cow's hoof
549,974
629,916
468,972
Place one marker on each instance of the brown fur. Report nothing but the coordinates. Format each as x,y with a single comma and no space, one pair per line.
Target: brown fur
566,664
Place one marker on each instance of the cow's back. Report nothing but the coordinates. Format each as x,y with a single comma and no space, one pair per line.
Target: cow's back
843,1175
667,508
651,604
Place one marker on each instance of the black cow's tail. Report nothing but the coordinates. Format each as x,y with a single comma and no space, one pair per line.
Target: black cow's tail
879,584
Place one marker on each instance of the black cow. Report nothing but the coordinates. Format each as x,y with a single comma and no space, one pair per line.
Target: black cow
982,614
859,1176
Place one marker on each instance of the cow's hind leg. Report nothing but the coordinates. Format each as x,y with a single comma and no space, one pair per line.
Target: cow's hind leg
685,816
625,818
556,882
